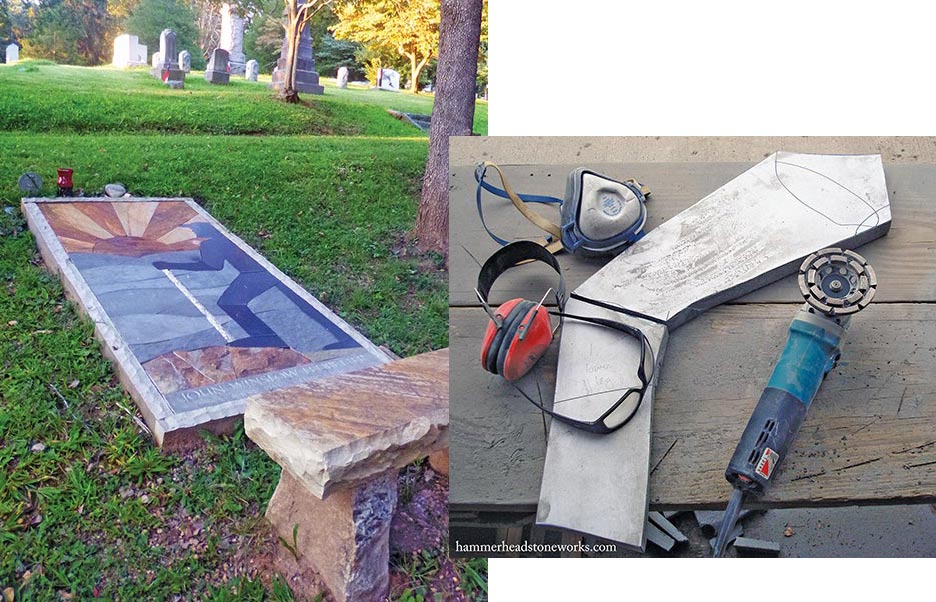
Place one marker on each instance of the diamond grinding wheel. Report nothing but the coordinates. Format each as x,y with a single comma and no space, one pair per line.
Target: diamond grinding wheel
836,282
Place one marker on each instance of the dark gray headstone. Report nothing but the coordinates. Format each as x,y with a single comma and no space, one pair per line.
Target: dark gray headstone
167,44
218,70
166,67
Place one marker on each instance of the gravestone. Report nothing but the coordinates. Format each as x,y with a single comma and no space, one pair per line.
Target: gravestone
157,60
217,324
232,38
342,77
252,70
128,52
185,61
167,67
388,79
307,79
218,69
12,54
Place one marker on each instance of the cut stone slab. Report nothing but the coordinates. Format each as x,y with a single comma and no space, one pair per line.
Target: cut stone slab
171,293
346,538
344,430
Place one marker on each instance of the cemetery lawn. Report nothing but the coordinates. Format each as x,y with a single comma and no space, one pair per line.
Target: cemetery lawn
40,96
89,507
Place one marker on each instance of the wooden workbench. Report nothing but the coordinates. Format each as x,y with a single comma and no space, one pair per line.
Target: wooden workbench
870,437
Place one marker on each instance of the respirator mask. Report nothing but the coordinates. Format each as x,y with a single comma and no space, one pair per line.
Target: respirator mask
599,216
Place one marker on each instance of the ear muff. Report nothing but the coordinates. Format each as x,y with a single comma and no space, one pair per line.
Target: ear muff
494,335
519,331
532,338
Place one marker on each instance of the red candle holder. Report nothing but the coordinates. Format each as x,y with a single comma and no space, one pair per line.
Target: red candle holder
64,181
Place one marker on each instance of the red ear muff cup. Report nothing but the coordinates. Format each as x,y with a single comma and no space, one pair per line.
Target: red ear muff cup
502,351
494,335
510,313
515,318
521,355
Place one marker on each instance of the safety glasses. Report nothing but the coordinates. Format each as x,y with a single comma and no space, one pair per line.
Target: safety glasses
621,411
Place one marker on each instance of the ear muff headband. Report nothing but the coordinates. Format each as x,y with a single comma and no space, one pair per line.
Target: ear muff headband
512,255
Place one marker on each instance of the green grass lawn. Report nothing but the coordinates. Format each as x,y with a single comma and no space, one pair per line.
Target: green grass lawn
40,96
89,508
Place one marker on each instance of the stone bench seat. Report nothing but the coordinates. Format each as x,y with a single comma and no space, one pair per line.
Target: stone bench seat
341,441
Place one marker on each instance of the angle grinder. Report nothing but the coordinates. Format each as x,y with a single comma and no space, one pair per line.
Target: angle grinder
836,284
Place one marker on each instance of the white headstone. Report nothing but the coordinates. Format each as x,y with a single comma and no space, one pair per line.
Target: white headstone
388,79
12,54
157,60
342,77
128,52
185,61
232,38
252,70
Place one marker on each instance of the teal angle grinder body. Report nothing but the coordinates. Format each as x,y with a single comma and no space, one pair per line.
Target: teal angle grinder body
836,284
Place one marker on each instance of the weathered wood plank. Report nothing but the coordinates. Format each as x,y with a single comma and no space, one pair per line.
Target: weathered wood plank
903,258
345,430
868,439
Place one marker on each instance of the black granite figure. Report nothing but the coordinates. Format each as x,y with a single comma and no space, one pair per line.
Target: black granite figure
254,280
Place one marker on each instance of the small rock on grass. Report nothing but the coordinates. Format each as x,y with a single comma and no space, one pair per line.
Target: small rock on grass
37,447
115,190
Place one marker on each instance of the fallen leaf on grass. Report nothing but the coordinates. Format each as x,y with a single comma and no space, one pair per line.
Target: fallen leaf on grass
8,594
12,323
74,384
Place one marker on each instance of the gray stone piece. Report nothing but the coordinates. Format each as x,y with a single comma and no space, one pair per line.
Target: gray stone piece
748,546
185,61
252,70
115,190
218,69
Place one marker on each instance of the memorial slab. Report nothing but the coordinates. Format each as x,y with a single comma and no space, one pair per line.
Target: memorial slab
195,320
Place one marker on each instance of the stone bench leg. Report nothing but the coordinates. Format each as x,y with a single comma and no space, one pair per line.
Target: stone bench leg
345,538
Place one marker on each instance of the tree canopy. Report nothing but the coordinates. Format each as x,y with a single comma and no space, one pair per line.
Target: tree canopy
150,17
409,28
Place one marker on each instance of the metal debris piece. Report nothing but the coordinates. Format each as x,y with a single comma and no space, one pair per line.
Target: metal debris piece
657,536
710,520
737,532
748,546
669,528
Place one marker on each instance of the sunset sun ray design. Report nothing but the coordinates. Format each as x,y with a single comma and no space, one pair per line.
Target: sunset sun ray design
129,229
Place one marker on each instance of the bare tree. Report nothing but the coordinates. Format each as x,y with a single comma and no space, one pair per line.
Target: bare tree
298,15
452,114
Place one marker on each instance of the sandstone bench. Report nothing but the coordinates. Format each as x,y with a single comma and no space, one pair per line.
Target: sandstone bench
341,442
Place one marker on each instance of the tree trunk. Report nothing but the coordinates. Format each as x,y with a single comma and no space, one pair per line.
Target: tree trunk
292,45
417,69
452,115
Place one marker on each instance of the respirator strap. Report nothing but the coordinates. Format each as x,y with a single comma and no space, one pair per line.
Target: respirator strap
553,242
